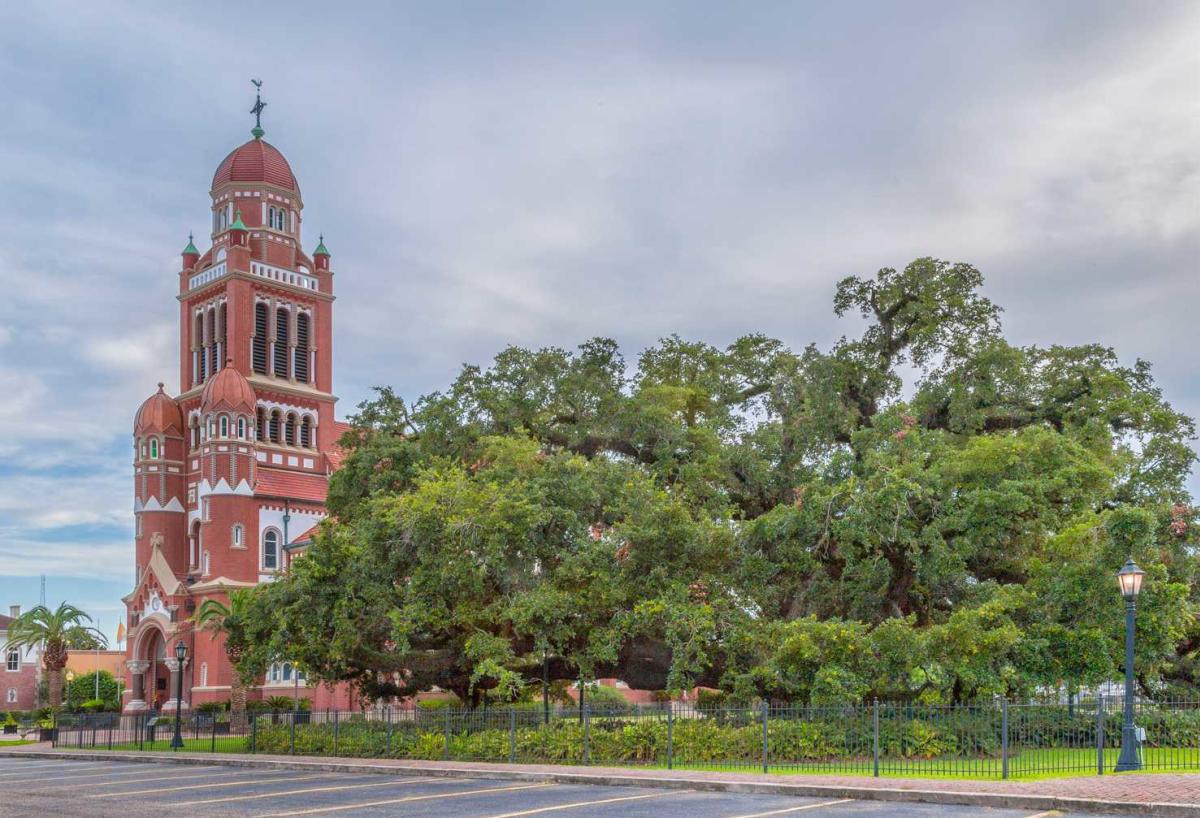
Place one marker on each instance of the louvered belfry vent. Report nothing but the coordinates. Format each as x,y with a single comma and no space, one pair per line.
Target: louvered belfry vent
260,338
281,342
302,347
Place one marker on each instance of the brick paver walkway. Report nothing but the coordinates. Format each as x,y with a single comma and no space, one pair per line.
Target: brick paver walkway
1127,788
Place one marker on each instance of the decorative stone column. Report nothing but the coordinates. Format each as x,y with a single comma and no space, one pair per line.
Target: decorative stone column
172,704
137,680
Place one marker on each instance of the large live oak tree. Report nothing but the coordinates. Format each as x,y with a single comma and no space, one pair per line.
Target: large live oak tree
782,524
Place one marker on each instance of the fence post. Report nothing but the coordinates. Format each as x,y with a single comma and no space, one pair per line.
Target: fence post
214,732
587,734
875,734
389,729
512,735
670,733
1004,738
292,734
446,751
110,734
335,731
1100,734
253,733
765,711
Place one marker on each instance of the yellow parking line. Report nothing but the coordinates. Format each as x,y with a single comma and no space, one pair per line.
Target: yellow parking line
174,777
213,785
786,810
1047,814
343,807
396,782
538,810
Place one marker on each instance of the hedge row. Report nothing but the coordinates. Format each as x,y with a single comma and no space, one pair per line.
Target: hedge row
618,740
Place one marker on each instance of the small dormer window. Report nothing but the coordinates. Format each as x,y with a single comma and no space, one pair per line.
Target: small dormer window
154,448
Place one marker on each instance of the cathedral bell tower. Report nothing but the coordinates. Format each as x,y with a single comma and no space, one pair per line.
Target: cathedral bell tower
233,471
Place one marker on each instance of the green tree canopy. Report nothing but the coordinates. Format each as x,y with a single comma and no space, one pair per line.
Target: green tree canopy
798,525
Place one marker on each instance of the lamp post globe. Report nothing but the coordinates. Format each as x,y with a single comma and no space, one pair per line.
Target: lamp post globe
1129,580
180,656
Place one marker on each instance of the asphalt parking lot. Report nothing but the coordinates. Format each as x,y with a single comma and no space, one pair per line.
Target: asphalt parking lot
34,788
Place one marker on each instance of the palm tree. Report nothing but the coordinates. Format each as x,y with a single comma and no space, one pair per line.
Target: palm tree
57,632
228,620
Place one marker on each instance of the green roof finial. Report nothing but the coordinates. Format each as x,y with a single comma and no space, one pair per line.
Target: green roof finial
237,221
321,251
191,248
257,131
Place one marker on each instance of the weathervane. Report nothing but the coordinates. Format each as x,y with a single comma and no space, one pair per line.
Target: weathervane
257,109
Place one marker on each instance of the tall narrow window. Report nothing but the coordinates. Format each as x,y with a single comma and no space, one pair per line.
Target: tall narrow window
236,537
154,448
306,432
222,333
201,356
259,351
241,428
262,424
204,674
224,426
204,568
13,659
282,319
210,323
289,432
270,555
273,427
301,367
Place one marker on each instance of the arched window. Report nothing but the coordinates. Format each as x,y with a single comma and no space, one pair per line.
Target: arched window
259,346
289,433
282,338
224,426
274,429
195,432
261,418
141,448
236,537
198,347
241,428
301,365
12,695
270,549
154,448
212,428
204,674
210,325
194,545
306,432
12,660
219,346
271,216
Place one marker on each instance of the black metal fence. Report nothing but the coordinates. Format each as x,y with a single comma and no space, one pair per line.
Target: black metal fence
992,740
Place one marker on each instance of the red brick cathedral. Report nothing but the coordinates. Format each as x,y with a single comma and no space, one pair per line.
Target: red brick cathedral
230,476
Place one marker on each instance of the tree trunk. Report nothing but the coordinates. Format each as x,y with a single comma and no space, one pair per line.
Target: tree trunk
54,683
237,706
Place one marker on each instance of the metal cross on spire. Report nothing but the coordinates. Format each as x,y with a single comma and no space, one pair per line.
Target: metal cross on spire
257,131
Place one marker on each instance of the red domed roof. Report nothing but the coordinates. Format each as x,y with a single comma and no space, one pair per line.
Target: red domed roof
159,414
256,161
228,390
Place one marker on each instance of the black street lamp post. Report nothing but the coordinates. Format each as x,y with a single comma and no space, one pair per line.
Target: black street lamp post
1130,580
180,656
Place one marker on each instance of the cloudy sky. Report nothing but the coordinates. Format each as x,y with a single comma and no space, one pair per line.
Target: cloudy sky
539,173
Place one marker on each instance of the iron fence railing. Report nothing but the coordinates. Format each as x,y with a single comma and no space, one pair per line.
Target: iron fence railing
991,740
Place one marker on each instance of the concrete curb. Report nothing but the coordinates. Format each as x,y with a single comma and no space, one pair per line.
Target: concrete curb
962,798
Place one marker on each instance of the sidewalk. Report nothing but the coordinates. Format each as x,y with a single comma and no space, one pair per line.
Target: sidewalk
1168,794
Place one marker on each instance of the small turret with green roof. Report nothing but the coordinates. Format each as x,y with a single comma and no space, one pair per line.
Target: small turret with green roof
190,250
320,251
238,224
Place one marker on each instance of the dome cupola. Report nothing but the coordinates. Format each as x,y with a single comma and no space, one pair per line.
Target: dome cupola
228,390
159,414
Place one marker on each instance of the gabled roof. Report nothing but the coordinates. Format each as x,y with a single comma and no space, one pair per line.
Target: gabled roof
311,488
160,569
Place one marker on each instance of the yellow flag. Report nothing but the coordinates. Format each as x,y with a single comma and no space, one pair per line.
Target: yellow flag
120,632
